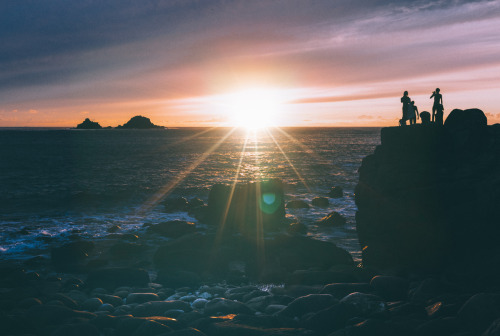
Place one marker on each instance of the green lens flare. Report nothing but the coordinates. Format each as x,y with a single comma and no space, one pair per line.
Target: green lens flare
269,202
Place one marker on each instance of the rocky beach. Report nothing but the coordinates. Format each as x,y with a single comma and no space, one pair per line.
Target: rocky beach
426,221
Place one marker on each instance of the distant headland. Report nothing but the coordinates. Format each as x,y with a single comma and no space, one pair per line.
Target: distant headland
137,122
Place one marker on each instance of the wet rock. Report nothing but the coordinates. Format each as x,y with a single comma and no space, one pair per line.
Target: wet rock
92,304
151,328
199,303
111,299
251,205
332,219
479,312
106,307
77,329
158,308
390,288
29,302
305,277
42,315
71,256
438,327
178,204
126,250
297,228
330,319
336,192
426,290
297,204
340,290
173,229
113,229
221,306
118,276
493,329
320,202
365,304
195,203
141,298
187,332
307,304
66,300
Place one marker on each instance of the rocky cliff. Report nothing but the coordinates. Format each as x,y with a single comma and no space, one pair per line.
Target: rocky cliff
428,197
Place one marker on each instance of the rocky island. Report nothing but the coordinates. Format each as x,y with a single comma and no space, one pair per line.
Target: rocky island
139,122
88,124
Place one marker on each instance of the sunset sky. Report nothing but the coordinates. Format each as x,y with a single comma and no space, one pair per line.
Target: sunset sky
199,63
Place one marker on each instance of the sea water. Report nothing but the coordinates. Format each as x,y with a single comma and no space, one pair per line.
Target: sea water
58,183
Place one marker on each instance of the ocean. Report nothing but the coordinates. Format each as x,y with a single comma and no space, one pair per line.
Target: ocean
58,183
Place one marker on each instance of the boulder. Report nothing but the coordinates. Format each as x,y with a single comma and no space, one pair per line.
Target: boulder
479,312
336,192
173,228
222,306
391,288
307,304
141,298
158,308
332,219
427,197
320,202
71,256
178,204
118,276
247,207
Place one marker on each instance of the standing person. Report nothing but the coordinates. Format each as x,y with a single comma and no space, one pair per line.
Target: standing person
412,113
406,104
439,115
438,100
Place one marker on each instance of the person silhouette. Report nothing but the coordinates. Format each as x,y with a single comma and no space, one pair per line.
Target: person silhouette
412,113
406,104
439,115
438,100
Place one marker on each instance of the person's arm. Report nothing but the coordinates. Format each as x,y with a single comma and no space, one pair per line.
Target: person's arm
432,95
416,111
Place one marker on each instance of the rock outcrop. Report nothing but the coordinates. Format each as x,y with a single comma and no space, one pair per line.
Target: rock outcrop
89,124
139,122
428,197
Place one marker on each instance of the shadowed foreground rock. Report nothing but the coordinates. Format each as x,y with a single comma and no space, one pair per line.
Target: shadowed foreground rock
428,197
247,207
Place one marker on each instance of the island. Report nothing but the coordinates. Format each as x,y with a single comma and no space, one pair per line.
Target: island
89,124
139,122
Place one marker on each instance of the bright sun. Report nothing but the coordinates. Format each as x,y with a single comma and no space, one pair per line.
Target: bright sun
253,108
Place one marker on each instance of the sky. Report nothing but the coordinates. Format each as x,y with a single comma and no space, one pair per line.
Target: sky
187,63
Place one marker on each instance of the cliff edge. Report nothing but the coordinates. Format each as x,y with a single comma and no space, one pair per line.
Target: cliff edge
428,197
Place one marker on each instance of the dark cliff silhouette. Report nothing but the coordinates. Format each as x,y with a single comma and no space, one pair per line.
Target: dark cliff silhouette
435,207
139,122
88,124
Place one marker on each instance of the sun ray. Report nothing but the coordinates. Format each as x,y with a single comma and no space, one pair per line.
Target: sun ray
165,190
306,149
289,161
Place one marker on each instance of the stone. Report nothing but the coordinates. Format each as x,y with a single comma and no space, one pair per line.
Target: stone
92,304
439,326
341,290
126,250
118,276
297,228
365,304
297,204
322,202
306,277
330,319
247,206
332,219
307,304
158,308
390,288
187,332
111,299
479,312
178,204
199,303
151,328
493,329
336,192
222,306
76,329
141,298
71,256
173,229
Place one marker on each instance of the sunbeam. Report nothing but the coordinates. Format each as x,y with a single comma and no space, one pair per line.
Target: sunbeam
165,190
289,161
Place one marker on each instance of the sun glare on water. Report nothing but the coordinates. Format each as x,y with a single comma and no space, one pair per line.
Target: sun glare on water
253,108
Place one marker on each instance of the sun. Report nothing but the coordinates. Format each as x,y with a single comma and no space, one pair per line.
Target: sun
253,108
